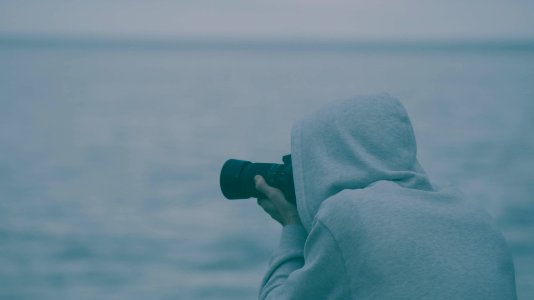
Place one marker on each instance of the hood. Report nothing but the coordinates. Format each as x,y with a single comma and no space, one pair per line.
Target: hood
351,144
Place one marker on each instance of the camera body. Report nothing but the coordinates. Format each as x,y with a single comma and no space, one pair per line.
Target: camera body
237,178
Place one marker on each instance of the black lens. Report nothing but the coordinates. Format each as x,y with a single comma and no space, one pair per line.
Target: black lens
231,174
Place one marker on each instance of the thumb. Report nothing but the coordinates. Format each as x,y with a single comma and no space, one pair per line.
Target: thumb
264,188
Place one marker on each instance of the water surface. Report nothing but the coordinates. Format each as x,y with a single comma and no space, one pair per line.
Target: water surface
109,158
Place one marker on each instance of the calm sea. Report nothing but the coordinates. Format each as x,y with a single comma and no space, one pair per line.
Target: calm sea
110,156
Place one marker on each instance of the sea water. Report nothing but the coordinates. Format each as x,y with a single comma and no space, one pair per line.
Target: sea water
109,157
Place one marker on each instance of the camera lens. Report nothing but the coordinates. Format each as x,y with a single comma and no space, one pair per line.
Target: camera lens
231,173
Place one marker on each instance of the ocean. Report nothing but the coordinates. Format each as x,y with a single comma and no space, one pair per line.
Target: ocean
110,156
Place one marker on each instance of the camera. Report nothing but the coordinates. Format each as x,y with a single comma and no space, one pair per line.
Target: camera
237,178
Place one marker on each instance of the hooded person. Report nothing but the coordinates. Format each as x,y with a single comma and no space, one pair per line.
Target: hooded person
368,224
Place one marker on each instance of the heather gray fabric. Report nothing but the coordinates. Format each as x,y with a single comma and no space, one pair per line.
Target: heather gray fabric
373,225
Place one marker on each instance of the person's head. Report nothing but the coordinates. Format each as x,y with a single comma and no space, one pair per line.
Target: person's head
352,144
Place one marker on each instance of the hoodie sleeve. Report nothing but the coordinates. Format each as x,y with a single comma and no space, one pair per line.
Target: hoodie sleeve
303,268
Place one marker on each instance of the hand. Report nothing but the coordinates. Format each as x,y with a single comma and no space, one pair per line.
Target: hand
276,204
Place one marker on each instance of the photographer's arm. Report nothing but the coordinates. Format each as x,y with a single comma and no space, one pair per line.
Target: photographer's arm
302,267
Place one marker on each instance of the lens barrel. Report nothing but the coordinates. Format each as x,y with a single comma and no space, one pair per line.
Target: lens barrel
231,177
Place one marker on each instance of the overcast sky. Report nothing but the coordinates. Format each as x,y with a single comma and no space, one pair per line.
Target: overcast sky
372,19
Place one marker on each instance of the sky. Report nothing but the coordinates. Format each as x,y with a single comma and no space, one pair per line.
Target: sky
315,19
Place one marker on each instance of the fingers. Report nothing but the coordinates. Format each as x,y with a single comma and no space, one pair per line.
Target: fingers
269,207
266,205
275,203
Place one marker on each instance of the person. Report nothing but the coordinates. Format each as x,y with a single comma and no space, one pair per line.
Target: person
368,224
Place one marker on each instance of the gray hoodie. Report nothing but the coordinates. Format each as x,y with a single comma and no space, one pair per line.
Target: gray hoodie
373,225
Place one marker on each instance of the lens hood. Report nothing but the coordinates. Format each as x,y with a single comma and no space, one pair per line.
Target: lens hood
231,186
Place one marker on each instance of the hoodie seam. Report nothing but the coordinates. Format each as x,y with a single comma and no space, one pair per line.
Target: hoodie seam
301,178
349,288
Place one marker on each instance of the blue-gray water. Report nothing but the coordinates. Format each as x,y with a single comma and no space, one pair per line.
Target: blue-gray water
109,157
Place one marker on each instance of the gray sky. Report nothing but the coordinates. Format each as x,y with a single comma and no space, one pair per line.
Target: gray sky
374,19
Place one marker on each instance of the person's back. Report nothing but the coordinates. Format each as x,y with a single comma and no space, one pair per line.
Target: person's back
373,226
412,244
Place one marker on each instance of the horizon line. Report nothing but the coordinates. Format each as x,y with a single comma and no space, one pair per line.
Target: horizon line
264,44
